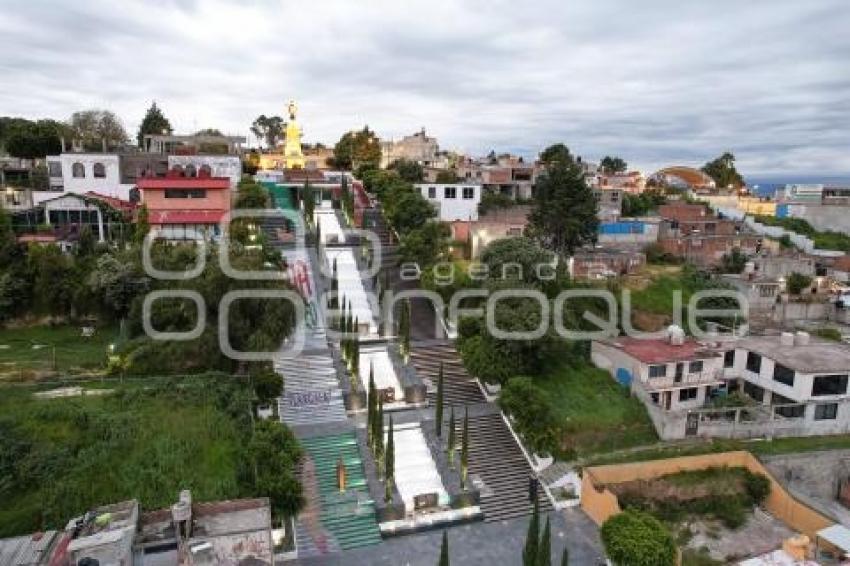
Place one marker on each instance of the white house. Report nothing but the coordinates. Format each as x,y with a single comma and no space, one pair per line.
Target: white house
79,173
455,201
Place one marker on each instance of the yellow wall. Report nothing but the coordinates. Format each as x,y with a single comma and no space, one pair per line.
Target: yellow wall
600,503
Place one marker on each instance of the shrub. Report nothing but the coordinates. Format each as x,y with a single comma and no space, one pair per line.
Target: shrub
633,538
758,487
532,412
797,282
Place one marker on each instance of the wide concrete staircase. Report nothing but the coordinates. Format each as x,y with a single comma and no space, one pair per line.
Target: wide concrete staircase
311,393
334,521
458,387
498,461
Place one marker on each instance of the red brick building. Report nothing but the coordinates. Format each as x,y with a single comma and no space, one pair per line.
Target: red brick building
693,232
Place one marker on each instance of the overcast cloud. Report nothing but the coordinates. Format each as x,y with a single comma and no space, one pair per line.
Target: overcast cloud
655,81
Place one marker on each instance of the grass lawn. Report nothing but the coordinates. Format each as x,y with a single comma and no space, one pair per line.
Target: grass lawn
598,414
30,349
59,457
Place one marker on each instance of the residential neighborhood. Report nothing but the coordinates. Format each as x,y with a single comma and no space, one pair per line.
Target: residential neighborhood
347,314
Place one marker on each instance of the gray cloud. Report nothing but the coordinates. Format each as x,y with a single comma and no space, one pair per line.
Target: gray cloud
657,82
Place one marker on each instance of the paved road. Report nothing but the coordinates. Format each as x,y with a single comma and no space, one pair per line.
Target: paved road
474,544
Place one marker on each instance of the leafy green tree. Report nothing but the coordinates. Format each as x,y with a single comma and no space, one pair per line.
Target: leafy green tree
556,154
438,414
274,453
92,127
612,165
118,282
425,245
544,553
154,123
516,258
642,204
533,413
532,538
357,149
268,385
563,217
797,283
638,539
494,201
250,194
723,171
269,129
733,262
34,140
8,241
408,170
406,209
444,551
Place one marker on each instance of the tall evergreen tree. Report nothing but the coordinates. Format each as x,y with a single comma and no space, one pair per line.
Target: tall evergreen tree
565,557
530,552
154,123
389,460
404,330
444,551
464,450
564,216
439,409
452,444
544,552
372,403
309,200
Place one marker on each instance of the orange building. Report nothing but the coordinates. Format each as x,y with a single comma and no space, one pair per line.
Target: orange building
182,208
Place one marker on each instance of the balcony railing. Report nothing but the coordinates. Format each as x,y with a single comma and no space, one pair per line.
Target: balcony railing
705,377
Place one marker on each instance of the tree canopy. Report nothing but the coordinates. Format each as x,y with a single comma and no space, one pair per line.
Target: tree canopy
356,149
638,539
32,140
154,123
563,217
269,129
611,165
91,127
557,153
408,170
723,171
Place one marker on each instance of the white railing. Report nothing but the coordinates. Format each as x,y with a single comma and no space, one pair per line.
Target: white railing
704,377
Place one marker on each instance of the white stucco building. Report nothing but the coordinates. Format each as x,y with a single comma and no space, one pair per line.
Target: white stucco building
229,166
456,201
79,173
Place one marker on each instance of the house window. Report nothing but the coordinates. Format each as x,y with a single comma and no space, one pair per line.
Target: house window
658,371
826,412
432,192
99,171
766,291
688,394
729,359
54,169
185,193
450,192
754,391
783,374
78,171
468,193
695,367
829,385
753,362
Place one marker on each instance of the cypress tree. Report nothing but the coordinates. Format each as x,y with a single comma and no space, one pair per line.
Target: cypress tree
334,298
373,407
444,551
379,437
565,557
404,330
464,450
389,459
529,553
544,553
318,236
439,410
452,444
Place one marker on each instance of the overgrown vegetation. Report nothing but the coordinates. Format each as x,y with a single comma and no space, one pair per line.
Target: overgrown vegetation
60,457
828,240
725,494
638,539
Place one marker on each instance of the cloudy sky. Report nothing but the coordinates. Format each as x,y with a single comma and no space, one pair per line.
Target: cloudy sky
655,81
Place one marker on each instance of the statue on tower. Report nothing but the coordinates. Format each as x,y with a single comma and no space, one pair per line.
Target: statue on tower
292,154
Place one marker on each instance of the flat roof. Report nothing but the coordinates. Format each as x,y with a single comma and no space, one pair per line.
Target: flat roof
837,535
658,351
818,356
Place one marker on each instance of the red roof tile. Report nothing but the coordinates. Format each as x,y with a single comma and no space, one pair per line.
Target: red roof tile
661,351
